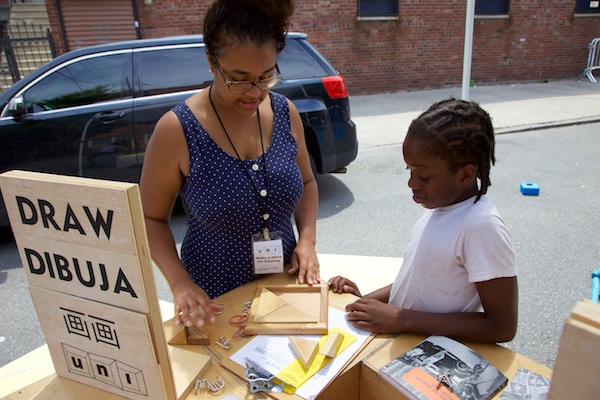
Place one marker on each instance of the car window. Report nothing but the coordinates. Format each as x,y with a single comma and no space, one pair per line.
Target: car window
174,70
296,63
83,82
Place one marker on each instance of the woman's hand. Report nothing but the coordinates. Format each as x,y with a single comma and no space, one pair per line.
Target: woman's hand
374,316
192,305
339,284
305,262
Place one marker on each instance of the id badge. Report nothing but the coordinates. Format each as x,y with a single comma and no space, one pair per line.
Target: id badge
267,252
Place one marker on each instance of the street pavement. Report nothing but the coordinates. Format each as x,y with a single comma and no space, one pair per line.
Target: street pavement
383,119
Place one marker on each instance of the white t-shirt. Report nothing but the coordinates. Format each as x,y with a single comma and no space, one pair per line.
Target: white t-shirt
451,248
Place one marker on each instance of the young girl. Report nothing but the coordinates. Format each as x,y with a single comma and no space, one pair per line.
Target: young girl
458,278
235,153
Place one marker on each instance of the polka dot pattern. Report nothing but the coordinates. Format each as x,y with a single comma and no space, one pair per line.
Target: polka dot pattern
222,206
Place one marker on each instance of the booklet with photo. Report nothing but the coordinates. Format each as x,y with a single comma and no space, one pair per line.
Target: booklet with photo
526,385
442,368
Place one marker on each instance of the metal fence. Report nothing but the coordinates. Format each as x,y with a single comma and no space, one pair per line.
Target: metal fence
593,59
24,48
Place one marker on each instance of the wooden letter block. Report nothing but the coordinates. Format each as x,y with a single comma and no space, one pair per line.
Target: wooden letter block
306,350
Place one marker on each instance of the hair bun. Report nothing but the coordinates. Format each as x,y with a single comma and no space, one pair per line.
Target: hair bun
275,9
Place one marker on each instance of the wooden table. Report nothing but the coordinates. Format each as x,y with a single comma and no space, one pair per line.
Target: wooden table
32,376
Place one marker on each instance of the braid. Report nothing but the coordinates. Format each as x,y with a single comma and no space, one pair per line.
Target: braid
460,132
258,21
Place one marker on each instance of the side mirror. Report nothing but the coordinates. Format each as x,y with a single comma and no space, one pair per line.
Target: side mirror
16,107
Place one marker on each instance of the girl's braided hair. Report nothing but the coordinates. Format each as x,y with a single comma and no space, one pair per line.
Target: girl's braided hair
257,21
460,132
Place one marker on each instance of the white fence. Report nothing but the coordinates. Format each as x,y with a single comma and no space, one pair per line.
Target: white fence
593,59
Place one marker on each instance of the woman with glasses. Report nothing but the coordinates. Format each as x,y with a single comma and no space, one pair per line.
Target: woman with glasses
235,153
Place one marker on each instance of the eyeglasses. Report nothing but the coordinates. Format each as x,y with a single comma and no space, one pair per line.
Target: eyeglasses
244,86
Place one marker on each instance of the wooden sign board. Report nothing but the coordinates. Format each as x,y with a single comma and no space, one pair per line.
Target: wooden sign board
104,345
85,252
288,309
81,236
577,365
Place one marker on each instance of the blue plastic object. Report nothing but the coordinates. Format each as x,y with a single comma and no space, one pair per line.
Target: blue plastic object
530,189
596,286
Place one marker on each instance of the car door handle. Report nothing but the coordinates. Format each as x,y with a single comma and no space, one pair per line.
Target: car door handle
109,117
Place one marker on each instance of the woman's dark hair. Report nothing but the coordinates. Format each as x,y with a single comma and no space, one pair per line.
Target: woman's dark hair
460,132
257,21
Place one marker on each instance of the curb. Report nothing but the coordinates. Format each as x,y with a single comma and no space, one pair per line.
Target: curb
546,125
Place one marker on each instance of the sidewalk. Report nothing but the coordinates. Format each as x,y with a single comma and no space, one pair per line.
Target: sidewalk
383,119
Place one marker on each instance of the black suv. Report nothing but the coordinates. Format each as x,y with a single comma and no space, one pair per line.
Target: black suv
90,112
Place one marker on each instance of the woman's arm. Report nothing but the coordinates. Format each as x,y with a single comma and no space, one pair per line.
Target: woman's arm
163,173
304,258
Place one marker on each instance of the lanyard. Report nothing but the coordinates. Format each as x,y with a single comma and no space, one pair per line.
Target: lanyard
261,194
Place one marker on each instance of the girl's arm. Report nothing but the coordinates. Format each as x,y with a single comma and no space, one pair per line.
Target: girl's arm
382,294
497,323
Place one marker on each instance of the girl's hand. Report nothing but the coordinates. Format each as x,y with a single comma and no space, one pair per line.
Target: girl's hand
305,262
339,284
192,305
374,316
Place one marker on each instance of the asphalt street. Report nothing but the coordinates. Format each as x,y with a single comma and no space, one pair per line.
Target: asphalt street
369,211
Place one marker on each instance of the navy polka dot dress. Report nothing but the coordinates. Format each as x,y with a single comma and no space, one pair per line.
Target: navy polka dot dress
222,206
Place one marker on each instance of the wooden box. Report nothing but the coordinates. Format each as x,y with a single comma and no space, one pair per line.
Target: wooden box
288,309
577,365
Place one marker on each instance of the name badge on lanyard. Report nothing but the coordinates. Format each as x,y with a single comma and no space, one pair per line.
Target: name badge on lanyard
267,252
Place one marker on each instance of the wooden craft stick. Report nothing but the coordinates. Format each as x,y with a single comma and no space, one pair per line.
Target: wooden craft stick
332,344
306,350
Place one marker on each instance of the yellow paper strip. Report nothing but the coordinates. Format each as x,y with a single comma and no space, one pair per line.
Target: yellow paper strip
295,375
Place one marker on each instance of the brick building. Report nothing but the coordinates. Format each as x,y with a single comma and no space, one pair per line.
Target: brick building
421,46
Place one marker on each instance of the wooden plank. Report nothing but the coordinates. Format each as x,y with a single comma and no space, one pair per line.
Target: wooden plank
96,274
577,363
101,346
154,315
345,386
588,312
55,207
188,366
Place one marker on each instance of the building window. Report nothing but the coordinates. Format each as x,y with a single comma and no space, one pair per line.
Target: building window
587,7
377,8
492,7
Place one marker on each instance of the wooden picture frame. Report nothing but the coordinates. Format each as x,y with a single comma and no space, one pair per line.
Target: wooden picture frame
288,310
